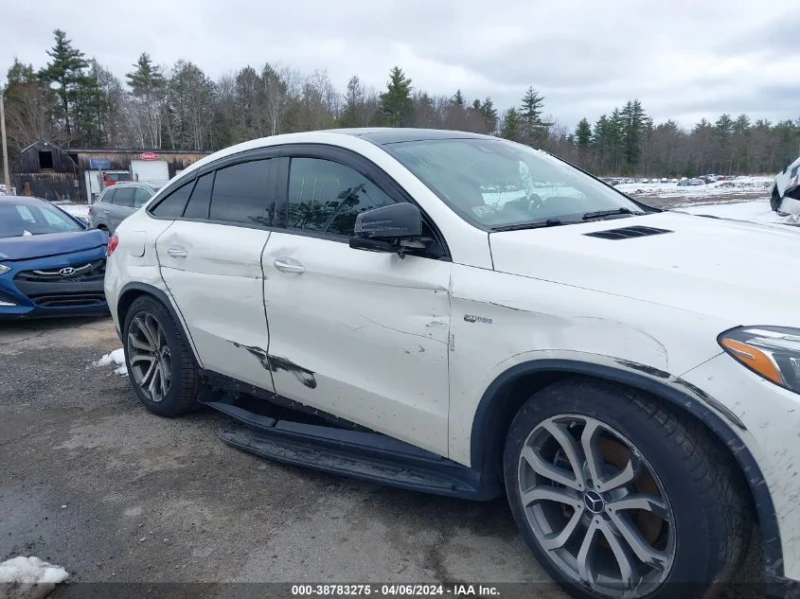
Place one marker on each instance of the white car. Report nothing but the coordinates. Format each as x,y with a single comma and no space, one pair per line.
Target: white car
785,193
627,376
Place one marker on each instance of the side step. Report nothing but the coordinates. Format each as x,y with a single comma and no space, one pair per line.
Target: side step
363,455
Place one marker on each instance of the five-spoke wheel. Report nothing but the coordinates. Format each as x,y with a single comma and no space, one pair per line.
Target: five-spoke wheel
618,495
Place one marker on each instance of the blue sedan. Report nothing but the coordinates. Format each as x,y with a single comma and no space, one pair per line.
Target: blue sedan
51,264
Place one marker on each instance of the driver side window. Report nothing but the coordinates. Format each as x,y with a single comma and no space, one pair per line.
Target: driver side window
326,196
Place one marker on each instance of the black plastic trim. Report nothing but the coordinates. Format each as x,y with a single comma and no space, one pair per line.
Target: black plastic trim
485,429
161,296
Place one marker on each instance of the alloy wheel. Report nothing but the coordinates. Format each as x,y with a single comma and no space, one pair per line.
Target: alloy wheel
596,507
149,356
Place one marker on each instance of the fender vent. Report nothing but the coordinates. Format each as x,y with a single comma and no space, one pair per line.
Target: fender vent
627,233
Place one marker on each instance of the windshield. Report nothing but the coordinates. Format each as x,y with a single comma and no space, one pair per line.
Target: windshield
497,184
21,219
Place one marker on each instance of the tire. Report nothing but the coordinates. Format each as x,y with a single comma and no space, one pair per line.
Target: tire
775,200
695,524
177,393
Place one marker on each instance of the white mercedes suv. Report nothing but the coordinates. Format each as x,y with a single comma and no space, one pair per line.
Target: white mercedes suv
462,315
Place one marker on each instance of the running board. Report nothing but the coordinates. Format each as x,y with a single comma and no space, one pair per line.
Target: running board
362,455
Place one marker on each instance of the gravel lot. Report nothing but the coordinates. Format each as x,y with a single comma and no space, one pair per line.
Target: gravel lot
92,482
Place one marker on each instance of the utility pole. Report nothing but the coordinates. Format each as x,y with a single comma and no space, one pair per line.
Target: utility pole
6,174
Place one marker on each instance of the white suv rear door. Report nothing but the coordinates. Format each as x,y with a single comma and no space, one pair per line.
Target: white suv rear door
361,335
210,260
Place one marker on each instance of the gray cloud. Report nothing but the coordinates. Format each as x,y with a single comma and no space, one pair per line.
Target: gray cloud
683,59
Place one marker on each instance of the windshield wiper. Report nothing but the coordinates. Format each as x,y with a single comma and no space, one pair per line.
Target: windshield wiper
602,213
550,222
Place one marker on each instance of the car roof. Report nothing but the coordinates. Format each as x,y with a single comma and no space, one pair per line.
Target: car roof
379,136
389,135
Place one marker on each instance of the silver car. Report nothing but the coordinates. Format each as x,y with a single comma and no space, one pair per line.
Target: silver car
118,202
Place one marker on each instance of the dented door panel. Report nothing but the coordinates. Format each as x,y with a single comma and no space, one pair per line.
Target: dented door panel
361,335
213,273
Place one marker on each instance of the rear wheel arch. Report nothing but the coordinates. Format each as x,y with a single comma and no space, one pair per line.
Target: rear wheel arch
511,389
132,291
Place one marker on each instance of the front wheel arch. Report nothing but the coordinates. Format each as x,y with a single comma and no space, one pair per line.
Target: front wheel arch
508,392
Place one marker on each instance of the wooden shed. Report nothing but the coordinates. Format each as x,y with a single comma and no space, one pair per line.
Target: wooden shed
46,171
153,166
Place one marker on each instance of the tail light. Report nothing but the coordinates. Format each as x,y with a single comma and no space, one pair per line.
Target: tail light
113,242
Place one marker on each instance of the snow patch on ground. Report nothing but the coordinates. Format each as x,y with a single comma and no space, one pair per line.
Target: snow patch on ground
738,186
29,578
757,211
116,357
78,210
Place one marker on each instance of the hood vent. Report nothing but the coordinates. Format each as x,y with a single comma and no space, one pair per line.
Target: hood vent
627,233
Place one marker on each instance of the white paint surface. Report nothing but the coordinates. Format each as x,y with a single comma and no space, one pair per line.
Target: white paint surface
355,319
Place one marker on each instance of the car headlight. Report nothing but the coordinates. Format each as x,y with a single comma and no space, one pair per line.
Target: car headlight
4,269
772,352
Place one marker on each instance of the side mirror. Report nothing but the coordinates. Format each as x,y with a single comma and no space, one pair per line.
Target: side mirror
389,228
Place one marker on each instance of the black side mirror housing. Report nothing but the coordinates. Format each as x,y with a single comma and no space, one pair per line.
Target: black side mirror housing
389,228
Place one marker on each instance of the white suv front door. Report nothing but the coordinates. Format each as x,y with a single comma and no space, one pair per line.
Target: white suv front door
211,263
361,335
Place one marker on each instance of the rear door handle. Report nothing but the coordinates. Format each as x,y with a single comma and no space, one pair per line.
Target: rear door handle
288,265
177,251
106,212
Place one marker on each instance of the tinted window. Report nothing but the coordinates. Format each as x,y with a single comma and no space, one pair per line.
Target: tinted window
124,196
326,196
241,195
201,198
141,196
172,206
108,196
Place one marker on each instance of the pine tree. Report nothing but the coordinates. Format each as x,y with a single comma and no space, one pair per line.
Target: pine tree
532,129
66,71
396,103
146,77
489,112
583,140
476,105
632,119
354,99
583,134
458,99
511,125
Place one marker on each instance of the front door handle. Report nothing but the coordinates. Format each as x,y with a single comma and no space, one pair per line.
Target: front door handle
177,251
106,212
288,265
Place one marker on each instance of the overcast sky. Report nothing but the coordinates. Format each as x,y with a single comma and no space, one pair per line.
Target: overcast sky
684,59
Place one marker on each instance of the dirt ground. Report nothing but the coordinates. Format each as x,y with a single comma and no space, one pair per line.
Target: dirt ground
92,482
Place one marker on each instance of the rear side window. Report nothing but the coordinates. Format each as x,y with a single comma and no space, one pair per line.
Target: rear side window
124,196
241,196
172,205
327,196
140,197
201,198
108,196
